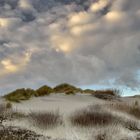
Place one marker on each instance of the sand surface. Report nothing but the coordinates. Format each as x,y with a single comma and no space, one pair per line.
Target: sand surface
64,103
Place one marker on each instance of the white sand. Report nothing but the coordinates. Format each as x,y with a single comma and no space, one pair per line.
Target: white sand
64,103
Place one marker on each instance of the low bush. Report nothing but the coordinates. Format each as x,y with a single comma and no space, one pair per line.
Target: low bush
25,94
20,94
111,92
45,119
70,93
90,91
91,118
67,88
105,96
44,90
14,133
133,109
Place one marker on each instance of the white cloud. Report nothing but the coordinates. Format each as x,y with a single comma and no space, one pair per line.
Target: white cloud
9,66
79,18
9,22
25,4
115,16
99,5
63,44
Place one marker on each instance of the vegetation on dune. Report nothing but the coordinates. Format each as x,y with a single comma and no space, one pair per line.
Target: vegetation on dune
25,94
113,92
109,94
86,118
133,110
90,91
99,115
67,88
20,94
70,92
11,132
15,133
44,90
46,120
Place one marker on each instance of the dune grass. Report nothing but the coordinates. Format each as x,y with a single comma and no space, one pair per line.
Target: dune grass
20,95
133,110
99,115
43,91
86,118
46,120
15,133
67,88
25,94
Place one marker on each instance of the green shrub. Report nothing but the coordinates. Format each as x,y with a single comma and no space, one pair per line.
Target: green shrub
44,90
70,92
89,91
19,95
66,88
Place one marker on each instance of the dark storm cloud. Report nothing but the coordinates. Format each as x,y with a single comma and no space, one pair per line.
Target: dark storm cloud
12,3
45,5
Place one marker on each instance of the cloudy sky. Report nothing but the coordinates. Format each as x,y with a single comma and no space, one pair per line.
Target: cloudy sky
89,43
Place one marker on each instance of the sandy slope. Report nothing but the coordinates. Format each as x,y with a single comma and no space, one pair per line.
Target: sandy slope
67,104
64,103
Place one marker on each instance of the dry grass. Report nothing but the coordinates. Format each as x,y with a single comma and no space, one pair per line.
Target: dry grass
8,113
101,137
113,92
17,115
46,119
99,115
133,110
4,113
13,133
9,132
90,118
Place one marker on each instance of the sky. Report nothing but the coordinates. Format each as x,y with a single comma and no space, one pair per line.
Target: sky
88,43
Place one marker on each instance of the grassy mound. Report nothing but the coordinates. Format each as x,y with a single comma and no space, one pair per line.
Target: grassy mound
25,94
20,94
66,88
44,90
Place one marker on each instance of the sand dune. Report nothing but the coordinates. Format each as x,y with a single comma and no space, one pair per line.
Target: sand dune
68,105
